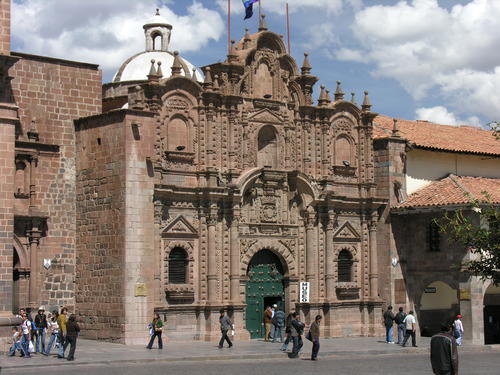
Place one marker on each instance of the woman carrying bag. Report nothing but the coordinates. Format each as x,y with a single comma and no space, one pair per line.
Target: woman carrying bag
157,325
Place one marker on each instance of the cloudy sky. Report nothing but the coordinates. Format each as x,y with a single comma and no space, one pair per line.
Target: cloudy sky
436,60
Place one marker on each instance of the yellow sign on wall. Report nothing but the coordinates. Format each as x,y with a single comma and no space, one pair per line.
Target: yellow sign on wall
464,295
141,290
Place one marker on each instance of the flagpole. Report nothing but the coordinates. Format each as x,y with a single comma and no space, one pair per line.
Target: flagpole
228,26
288,29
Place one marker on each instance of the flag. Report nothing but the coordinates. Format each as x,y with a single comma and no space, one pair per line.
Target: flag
248,4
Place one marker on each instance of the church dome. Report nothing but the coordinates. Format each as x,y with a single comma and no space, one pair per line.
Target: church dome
157,33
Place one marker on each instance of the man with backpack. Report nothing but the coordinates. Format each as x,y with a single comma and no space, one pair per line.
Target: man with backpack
297,329
399,318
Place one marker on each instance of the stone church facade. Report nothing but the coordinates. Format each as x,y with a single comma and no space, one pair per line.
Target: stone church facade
198,195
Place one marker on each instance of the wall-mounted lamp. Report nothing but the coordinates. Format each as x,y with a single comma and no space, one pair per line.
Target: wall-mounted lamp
394,261
47,263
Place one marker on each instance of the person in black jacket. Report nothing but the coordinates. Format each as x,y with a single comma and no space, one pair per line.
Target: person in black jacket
41,330
444,353
388,322
400,316
72,331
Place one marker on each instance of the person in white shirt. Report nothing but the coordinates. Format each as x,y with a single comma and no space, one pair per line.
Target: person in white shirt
458,329
26,330
411,327
54,332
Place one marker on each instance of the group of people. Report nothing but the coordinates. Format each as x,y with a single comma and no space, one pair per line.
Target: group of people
406,323
275,322
30,336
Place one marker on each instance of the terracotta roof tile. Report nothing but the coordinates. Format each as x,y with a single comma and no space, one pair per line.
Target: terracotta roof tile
440,137
454,190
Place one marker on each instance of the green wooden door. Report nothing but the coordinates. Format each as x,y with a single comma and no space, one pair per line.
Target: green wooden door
263,288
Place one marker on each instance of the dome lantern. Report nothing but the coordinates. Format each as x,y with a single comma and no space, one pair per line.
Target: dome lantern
157,28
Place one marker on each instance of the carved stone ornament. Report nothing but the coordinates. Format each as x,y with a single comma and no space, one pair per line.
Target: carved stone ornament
176,103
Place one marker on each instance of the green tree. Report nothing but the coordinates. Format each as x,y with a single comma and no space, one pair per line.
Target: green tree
478,230
495,127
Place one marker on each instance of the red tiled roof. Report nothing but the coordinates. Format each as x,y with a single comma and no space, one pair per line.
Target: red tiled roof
426,134
454,190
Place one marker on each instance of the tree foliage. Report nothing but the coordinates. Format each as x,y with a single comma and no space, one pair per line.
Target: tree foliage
495,127
478,230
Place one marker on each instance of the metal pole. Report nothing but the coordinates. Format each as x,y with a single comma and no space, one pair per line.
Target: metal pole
288,29
228,26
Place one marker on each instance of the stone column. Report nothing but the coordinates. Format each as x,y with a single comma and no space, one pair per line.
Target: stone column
212,258
34,237
235,256
373,275
329,259
311,255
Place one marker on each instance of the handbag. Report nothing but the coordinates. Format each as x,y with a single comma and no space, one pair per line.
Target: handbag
309,336
31,348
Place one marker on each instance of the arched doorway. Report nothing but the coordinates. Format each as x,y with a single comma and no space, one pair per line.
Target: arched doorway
492,315
438,303
264,287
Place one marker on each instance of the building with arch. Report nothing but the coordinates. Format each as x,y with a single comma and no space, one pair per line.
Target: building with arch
181,192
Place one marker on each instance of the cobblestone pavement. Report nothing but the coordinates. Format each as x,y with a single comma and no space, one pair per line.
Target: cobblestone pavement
95,352
481,363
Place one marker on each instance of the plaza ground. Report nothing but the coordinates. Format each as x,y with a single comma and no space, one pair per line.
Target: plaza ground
365,355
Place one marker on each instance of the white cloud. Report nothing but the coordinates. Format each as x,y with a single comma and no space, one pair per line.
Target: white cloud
294,6
441,115
427,47
105,32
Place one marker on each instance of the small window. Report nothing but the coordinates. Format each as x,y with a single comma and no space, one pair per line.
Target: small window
345,266
177,266
434,237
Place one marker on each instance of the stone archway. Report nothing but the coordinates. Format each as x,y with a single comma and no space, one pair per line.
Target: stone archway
438,302
285,254
491,313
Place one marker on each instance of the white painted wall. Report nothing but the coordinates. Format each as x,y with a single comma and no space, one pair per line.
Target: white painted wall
425,166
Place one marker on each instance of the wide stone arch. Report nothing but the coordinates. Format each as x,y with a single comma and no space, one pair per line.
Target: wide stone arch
283,252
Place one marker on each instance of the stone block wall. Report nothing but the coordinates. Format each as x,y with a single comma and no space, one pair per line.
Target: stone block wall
50,93
5,27
100,208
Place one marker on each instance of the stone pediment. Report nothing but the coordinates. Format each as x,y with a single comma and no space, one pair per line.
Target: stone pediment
266,115
179,227
347,232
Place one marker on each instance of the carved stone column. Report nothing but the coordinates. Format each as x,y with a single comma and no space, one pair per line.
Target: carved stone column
34,236
329,259
373,275
212,258
311,254
235,256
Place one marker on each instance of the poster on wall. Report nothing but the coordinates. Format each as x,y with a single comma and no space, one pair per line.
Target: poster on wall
304,292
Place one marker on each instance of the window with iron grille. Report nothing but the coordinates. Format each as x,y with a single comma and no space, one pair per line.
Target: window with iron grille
177,266
345,266
434,237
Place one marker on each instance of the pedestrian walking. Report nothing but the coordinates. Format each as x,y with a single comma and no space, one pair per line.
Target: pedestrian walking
458,329
26,332
225,326
53,330
278,323
268,317
72,331
16,343
398,319
388,322
444,352
271,331
314,336
61,322
41,330
411,328
297,329
157,325
288,332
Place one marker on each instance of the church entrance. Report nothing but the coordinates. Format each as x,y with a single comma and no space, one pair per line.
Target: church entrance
264,287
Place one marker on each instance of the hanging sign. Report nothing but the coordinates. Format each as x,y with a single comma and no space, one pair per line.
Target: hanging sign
304,292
